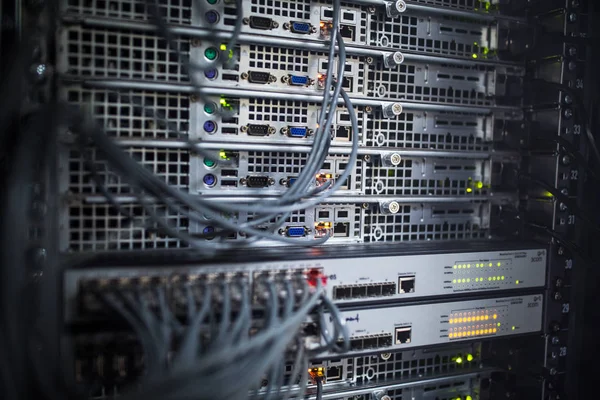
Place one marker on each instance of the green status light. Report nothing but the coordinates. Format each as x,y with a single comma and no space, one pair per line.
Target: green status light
469,357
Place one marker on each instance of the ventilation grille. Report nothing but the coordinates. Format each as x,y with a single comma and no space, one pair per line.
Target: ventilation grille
404,132
121,54
174,11
122,116
400,83
296,9
371,369
402,33
97,227
172,165
278,58
418,223
402,181
278,111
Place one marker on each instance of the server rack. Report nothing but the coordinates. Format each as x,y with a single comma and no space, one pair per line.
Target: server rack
464,148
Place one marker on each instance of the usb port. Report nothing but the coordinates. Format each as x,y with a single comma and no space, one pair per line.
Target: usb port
229,173
229,183
230,77
229,131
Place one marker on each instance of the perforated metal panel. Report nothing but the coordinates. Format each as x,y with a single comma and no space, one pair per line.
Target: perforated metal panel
94,227
172,165
469,5
175,11
438,35
119,54
427,222
121,116
298,9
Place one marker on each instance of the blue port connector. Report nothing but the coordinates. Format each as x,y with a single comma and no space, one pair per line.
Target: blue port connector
295,231
210,74
300,27
212,17
298,80
291,181
210,126
209,180
208,232
298,131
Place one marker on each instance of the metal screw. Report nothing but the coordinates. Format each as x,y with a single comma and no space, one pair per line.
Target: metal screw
370,60
386,356
39,72
193,98
561,250
572,51
275,24
572,17
555,327
392,110
562,207
286,25
566,159
568,113
555,340
393,207
572,65
246,21
196,42
553,371
568,99
368,109
559,282
393,59
367,158
244,75
393,9
565,191
365,206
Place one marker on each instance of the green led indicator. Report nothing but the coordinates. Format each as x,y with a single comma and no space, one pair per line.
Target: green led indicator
210,53
210,108
469,357
209,163
513,328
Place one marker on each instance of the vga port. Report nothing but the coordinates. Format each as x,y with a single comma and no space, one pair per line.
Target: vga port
295,231
259,77
258,129
259,181
297,131
260,23
302,28
299,80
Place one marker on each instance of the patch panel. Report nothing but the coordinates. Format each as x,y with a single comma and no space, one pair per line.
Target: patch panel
413,328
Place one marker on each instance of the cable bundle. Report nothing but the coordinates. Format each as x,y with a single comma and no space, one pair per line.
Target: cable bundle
150,189
217,357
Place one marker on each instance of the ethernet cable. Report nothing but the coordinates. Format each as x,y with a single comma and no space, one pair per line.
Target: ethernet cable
246,228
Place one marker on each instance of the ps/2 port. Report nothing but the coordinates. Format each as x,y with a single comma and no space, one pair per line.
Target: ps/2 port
212,17
210,73
210,127
209,180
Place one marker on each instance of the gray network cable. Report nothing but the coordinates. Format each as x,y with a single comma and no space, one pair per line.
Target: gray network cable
208,374
290,201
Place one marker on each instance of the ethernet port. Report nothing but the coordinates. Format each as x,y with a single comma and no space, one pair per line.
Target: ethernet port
347,31
403,335
341,229
374,290
334,373
406,284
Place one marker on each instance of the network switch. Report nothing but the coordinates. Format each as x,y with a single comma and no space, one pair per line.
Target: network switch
399,277
443,323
